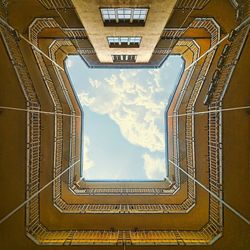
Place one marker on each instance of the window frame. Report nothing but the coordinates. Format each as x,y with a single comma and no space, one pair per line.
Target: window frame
128,44
124,61
131,21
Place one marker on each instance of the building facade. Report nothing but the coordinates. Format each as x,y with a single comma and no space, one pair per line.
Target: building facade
207,125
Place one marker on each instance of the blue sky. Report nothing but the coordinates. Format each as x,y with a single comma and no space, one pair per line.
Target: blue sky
124,136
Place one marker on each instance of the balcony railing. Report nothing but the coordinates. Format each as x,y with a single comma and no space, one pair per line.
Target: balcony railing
41,235
33,121
57,164
121,208
58,119
212,27
171,33
174,155
226,65
59,4
79,208
190,4
130,208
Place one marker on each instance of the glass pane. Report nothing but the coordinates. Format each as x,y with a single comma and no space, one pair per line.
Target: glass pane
106,17
120,11
111,11
127,11
104,11
144,12
124,39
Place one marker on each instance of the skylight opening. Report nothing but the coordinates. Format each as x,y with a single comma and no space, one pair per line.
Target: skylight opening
124,127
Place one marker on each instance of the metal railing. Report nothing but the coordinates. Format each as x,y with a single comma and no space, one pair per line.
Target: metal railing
242,9
59,4
121,208
215,215
58,146
75,33
184,207
33,122
73,121
190,164
41,29
225,67
206,235
171,33
189,4
231,56
43,236
38,25
174,155
212,27
64,207
34,30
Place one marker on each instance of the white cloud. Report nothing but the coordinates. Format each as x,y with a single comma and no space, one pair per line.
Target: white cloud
85,99
94,83
135,102
69,63
154,167
87,162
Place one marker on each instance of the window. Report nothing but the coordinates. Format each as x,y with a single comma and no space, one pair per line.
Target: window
124,41
124,16
124,58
